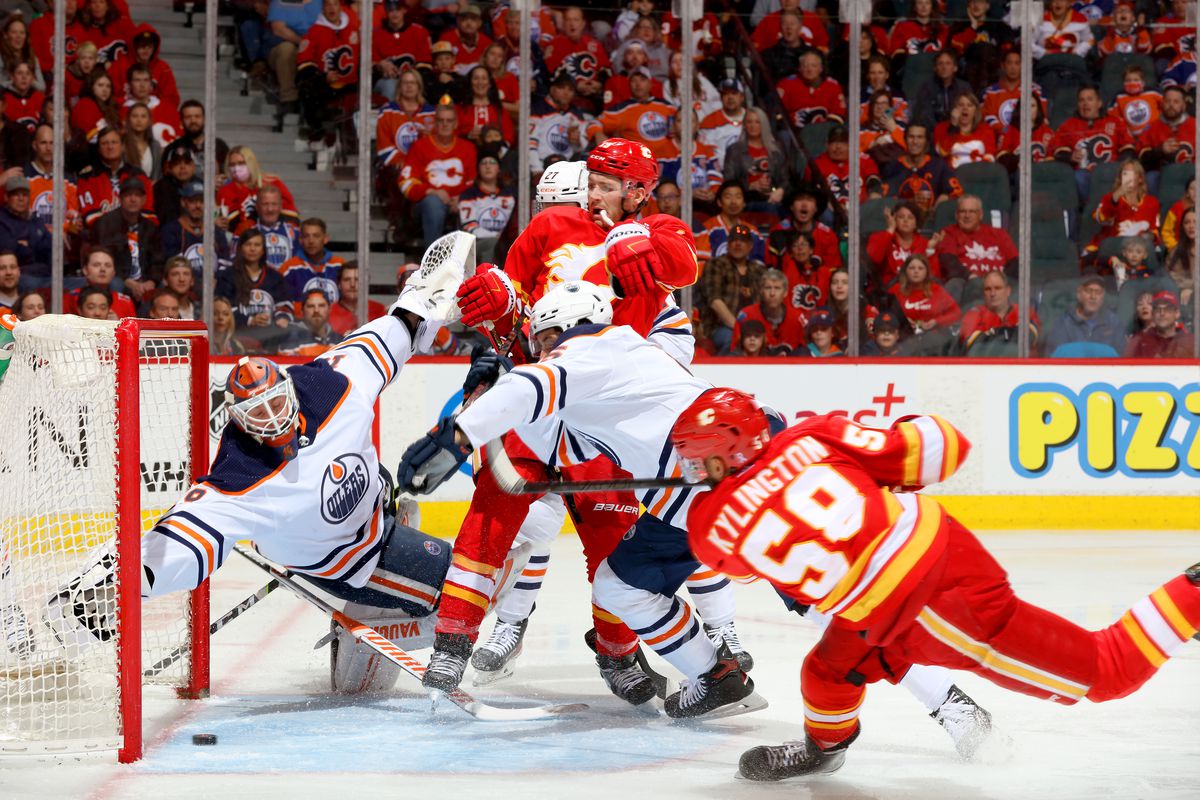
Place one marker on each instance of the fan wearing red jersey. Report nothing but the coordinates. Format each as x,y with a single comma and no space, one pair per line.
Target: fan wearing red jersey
1088,139
439,168
827,513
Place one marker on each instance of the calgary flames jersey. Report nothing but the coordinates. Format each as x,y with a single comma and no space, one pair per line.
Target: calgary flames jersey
430,166
815,516
564,244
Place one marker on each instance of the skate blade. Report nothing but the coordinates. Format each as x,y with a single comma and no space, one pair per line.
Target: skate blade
488,677
751,702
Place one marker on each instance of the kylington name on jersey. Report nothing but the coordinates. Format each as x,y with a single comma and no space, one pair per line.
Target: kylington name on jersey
728,526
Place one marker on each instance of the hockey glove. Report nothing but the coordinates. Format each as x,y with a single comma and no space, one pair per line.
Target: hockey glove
431,460
485,371
486,296
632,260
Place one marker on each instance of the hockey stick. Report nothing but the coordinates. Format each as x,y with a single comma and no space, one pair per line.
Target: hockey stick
511,482
217,624
377,642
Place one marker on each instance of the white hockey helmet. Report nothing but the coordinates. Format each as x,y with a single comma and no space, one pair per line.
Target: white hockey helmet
564,183
570,304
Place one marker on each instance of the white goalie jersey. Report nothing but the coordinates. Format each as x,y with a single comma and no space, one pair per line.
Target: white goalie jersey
320,513
613,392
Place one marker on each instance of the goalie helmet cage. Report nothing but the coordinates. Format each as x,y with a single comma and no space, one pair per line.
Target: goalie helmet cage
106,424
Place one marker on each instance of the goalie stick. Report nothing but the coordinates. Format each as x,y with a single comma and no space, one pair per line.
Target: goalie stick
217,624
511,482
401,658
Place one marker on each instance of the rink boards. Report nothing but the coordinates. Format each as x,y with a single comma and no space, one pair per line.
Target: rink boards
1055,445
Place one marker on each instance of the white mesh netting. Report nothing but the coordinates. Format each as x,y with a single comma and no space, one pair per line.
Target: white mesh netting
58,499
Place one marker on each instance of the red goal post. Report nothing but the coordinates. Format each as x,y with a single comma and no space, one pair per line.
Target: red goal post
107,425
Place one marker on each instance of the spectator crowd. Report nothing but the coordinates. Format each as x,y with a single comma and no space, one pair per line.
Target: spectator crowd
1113,144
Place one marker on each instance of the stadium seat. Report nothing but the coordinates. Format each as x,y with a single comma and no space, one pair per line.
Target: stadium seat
1085,350
1112,77
813,138
1173,184
1062,105
989,181
872,217
1056,179
993,347
1112,247
1056,71
1103,176
1128,295
944,215
917,69
1053,258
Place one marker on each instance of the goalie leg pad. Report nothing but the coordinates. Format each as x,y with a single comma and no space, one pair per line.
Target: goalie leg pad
355,668
407,578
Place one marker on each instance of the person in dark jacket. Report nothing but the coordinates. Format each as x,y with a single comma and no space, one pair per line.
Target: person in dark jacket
23,236
261,303
935,98
131,233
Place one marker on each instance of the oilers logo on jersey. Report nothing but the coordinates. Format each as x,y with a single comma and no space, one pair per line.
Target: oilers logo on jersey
652,126
343,487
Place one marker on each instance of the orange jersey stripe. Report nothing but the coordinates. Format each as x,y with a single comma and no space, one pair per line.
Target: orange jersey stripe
462,593
687,615
399,587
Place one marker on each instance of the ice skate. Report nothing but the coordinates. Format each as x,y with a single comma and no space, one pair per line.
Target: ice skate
495,659
723,691
626,679
968,724
661,683
728,635
790,760
448,662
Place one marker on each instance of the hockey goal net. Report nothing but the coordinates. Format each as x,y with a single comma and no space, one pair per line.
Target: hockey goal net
104,426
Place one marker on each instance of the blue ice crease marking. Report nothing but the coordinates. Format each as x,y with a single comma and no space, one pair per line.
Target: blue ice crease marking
282,734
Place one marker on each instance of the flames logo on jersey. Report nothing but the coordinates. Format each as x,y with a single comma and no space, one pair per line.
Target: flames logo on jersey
112,51
581,65
571,261
810,116
806,296
343,487
1097,149
339,60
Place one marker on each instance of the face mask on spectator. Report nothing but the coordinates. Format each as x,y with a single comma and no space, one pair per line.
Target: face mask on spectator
240,172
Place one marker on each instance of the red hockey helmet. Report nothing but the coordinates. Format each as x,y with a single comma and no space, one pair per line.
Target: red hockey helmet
262,402
720,422
627,160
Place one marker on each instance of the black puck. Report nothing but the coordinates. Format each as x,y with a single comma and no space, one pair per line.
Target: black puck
204,738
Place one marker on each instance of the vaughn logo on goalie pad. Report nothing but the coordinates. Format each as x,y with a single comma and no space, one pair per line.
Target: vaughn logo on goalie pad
343,487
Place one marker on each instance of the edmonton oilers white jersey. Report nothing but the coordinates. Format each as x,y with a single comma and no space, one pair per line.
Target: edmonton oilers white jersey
614,392
550,439
319,513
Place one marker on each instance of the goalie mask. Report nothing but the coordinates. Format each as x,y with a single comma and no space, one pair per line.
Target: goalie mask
724,423
564,183
262,402
570,304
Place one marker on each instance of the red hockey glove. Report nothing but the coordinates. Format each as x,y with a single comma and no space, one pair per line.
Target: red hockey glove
632,261
486,296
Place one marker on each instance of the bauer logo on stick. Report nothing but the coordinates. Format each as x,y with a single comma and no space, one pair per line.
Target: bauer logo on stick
343,487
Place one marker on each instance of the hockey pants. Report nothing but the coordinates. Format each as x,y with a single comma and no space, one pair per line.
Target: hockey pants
491,525
973,621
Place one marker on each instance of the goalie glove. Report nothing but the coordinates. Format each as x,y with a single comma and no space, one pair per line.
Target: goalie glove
632,260
486,296
431,460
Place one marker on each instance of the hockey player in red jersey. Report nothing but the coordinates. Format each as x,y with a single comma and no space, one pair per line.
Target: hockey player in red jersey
827,511
602,244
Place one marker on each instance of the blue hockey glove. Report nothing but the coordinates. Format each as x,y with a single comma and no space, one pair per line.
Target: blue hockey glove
431,460
484,372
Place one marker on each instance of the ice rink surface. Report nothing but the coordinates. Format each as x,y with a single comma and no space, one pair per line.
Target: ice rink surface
283,735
